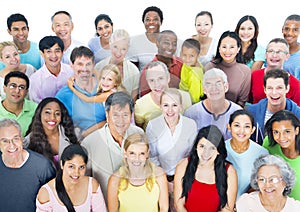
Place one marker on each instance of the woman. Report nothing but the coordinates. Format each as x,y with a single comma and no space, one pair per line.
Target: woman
205,180
138,185
119,44
71,190
229,59
204,24
10,57
100,43
273,179
253,54
241,151
284,140
171,135
51,130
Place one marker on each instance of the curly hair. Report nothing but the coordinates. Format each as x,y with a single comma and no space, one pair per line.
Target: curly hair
38,138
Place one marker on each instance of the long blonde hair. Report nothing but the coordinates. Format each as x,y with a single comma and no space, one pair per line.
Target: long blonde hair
118,79
5,44
136,138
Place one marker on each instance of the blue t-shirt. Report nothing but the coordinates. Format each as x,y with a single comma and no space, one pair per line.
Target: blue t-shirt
84,114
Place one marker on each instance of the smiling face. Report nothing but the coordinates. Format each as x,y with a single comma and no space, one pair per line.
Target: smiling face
51,116
157,80
10,57
104,29
290,31
16,90
119,49
276,91
62,26
107,80
11,142
19,31
118,118
246,31
284,133
152,22
215,88
229,49
203,25
167,45
276,54
171,107
270,182
207,152
136,155
53,56
189,56
241,128
73,169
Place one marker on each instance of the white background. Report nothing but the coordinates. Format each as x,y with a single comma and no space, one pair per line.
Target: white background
178,15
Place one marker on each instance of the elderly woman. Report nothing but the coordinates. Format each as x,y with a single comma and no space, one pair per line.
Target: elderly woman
273,179
22,171
119,44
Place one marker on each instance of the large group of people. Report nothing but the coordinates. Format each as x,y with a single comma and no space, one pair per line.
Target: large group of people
151,122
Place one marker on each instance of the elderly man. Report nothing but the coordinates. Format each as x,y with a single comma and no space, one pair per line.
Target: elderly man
277,52
148,106
22,172
15,105
87,117
105,145
216,109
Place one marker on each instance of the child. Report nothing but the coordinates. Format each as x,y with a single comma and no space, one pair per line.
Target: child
192,69
110,81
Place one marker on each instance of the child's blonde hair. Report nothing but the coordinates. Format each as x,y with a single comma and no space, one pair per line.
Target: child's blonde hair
118,79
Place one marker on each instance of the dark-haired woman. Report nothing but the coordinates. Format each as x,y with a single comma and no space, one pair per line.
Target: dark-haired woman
100,43
229,59
252,53
51,130
71,190
205,179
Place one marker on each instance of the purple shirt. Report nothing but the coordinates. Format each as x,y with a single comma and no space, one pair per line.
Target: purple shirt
44,84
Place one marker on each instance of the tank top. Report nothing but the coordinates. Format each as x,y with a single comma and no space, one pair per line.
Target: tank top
139,198
203,197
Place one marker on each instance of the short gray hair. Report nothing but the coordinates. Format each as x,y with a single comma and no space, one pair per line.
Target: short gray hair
119,98
158,63
6,122
213,73
287,173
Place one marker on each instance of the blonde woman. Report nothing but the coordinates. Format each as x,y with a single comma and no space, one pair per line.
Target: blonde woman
138,185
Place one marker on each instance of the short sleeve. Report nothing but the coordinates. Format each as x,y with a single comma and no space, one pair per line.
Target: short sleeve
46,207
97,202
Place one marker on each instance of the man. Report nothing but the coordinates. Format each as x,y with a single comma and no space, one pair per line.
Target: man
15,105
105,145
216,109
148,106
87,117
143,47
276,86
277,52
166,48
17,27
291,31
62,26
22,172
54,74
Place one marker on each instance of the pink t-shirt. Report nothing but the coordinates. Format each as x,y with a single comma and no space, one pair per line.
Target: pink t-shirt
94,202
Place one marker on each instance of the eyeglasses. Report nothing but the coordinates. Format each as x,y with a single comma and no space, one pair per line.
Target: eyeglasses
217,84
14,86
15,140
273,52
271,180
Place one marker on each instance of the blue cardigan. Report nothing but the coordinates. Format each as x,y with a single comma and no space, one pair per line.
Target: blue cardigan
258,111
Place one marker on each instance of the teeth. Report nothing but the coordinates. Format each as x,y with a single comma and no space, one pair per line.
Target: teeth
151,27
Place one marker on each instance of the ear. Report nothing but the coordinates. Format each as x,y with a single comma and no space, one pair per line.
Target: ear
226,87
297,130
253,129
287,88
228,127
61,165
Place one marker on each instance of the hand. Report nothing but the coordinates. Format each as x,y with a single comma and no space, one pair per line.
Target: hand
70,82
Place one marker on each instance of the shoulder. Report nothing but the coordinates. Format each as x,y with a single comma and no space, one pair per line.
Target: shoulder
43,195
95,185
